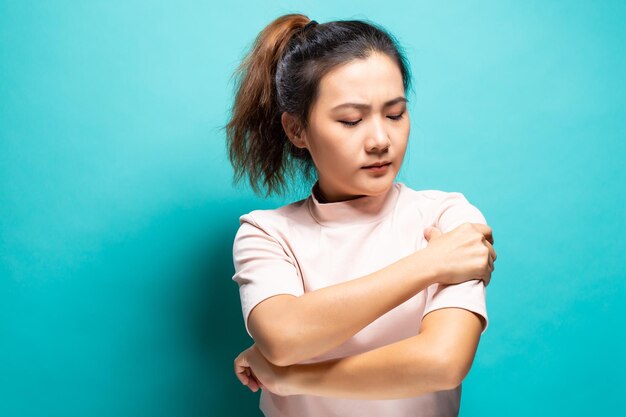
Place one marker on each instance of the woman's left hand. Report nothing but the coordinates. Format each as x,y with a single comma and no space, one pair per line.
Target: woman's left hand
256,372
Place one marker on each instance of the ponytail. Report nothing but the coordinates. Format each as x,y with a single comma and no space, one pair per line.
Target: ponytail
258,145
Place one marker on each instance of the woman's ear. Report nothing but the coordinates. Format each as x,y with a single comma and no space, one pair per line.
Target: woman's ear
293,130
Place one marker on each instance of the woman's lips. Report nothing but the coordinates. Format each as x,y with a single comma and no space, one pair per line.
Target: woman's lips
381,168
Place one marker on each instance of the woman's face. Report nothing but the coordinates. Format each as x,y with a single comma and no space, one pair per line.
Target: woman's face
344,138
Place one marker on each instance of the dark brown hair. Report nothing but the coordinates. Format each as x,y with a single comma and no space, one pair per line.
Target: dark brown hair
281,73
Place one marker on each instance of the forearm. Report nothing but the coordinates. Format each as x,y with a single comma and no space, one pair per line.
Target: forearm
321,320
403,369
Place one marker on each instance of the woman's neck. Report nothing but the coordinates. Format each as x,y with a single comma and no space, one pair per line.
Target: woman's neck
319,195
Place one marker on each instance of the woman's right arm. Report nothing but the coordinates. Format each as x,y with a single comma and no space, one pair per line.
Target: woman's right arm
289,329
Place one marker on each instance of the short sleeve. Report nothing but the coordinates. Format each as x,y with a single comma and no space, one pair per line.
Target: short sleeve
450,211
262,267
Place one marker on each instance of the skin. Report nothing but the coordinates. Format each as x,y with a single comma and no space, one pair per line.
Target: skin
339,151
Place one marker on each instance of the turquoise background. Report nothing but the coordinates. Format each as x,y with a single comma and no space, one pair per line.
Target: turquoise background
117,211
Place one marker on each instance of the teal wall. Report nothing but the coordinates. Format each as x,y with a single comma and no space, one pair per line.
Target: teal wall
117,211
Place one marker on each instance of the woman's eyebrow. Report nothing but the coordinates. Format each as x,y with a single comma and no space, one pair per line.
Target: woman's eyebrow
367,106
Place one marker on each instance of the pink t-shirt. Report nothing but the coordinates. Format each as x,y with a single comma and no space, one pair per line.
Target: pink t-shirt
307,245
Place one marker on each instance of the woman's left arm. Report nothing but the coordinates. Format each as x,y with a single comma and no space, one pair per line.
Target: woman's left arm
436,359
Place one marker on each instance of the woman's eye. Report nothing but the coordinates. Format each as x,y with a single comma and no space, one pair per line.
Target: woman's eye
398,117
349,123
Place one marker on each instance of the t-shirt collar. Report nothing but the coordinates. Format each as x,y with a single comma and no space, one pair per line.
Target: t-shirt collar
365,209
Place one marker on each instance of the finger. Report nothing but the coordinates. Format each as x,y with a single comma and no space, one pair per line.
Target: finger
485,230
486,276
243,378
432,232
248,379
259,383
241,363
241,369
490,263
492,252
253,385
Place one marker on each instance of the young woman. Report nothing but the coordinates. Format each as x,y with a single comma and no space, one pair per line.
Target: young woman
367,298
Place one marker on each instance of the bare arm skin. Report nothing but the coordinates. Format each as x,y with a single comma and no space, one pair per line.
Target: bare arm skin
289,329
436,359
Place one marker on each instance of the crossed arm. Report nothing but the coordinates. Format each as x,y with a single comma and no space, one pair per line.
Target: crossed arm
436,359
289,329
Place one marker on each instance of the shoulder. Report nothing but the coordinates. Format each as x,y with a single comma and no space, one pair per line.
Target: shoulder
431,199
427,195
272,224
274,218
448,207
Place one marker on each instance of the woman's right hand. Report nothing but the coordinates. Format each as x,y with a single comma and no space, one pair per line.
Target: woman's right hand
462,254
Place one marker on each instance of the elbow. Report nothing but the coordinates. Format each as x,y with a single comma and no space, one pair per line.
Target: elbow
281,359
277,351
285,353
453,373
273,342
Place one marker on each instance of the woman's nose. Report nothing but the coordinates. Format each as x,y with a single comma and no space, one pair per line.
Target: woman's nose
378,138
